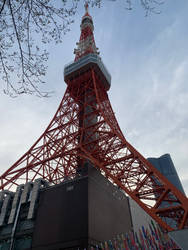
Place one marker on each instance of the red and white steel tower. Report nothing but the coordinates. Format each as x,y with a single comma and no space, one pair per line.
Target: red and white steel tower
84,131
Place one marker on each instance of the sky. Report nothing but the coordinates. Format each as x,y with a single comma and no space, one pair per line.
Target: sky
148,61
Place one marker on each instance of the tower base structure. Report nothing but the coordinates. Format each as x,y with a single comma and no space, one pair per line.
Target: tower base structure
75,214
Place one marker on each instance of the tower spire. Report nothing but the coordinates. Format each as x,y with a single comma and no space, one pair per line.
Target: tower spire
86,7
86,44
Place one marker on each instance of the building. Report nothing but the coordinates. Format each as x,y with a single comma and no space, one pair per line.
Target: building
77,213
166,166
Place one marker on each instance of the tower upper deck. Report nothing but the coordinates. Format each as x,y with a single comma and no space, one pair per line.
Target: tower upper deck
82,65
87,55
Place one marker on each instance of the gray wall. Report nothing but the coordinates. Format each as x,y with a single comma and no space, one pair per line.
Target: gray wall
62,216
77,213
109,212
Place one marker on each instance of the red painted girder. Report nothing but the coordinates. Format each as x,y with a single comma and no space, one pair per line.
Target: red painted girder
110,152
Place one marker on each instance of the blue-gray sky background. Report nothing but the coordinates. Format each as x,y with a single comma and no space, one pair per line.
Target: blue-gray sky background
148,61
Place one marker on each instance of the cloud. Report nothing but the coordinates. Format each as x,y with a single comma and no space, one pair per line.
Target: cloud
151,102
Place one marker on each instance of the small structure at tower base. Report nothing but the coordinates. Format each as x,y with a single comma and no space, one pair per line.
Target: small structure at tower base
77,213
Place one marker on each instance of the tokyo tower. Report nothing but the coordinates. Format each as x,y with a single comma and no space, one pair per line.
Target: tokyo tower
85,133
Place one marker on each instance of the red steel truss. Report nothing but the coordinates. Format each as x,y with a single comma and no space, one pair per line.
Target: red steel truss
66,142
84,129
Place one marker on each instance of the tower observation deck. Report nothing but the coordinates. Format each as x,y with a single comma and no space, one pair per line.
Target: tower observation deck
87,55
85,135
88,62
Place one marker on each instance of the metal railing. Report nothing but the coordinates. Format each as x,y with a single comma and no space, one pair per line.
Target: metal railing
90,58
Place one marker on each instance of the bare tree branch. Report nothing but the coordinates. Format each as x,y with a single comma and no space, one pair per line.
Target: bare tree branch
27,26
2,7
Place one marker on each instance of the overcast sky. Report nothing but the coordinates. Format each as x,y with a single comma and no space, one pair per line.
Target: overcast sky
148,61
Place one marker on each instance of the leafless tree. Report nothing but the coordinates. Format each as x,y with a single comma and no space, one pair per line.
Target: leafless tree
26,26
149,6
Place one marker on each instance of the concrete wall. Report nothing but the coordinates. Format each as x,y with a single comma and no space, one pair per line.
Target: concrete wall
109,213
77,213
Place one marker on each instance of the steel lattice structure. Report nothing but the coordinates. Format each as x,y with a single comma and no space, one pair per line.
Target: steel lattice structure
85,130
